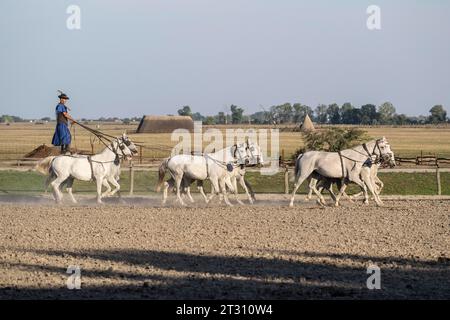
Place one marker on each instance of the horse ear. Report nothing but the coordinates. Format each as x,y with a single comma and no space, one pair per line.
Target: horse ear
234,149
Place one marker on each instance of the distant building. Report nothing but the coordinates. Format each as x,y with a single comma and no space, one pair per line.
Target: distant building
161,124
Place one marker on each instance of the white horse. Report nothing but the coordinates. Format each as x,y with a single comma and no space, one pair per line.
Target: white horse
255,158
238,173
368,174
213,166
231,179
345,165
371,173
101,167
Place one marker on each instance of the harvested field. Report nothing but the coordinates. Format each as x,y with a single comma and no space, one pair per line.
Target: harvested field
20,138
139,250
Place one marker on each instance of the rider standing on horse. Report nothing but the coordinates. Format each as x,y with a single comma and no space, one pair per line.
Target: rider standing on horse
62,135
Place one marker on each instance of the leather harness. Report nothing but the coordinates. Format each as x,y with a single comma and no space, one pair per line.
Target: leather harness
92,168
365,149
342,164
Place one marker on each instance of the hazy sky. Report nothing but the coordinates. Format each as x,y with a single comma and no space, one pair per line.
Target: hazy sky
151,57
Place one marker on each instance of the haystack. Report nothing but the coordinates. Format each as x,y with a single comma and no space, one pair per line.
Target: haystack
162,124
307,125
43,151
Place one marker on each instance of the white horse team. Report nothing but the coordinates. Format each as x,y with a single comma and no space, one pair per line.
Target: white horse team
350,165
101,168
224,169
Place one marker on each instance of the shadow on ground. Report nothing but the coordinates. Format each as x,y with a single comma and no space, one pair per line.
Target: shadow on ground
307,275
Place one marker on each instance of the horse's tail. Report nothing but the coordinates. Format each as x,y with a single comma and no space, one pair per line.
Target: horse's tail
44,166
161,174
297,167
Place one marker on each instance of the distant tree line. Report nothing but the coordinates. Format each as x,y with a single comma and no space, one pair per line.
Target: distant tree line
286,113
8,119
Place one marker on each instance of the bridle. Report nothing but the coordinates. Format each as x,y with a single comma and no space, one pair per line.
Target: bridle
251,152
369,154
236,150
120,146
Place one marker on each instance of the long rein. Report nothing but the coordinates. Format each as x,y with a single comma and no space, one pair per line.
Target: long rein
224,163
368,154
101,137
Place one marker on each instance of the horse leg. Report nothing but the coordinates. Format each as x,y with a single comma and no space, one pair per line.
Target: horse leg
188,192
330,190
312,183
167,185
317,186
55,185
362,184
297,185
202,192
250,189
115,184
318,193
371,186
49,179
99,183
215,190
344,194
340,193
178,181
232,185
108,188
357,195
223,186
242,183
69,189
378,183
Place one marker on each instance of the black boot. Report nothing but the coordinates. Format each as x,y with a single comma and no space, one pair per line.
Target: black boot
65,149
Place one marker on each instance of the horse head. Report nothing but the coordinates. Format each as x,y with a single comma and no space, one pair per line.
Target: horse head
120,148
254,152
129,143
239,152
385,153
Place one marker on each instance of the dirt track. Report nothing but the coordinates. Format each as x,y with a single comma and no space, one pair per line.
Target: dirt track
139,251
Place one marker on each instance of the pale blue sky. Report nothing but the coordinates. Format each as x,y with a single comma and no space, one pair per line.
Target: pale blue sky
151,57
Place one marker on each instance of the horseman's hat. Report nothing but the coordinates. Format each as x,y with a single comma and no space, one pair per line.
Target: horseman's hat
62,95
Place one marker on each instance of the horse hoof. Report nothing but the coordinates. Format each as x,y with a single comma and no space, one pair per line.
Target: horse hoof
291,204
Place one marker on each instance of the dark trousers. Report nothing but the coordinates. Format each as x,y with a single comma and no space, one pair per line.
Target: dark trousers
64,148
